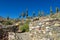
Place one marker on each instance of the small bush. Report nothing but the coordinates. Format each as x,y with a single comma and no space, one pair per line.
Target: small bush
25,28
8,23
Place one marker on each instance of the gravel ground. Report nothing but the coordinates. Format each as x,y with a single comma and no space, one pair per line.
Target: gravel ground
23,36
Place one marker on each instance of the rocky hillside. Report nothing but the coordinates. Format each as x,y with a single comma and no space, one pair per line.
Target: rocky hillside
46,28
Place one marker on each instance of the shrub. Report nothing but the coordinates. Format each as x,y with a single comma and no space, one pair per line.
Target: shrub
8,23
25,28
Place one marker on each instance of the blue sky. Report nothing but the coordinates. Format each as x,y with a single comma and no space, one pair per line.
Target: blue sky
13,8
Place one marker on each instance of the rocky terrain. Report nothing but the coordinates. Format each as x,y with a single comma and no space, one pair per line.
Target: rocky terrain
45,29
19,36
37,28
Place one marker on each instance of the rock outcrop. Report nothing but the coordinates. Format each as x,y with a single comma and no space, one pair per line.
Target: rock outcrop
45,29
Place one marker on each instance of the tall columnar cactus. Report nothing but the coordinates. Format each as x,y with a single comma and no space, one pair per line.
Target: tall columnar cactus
23,14
42,13
19,15
33,13
39,14
7,17
57,9
26,13
51,12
